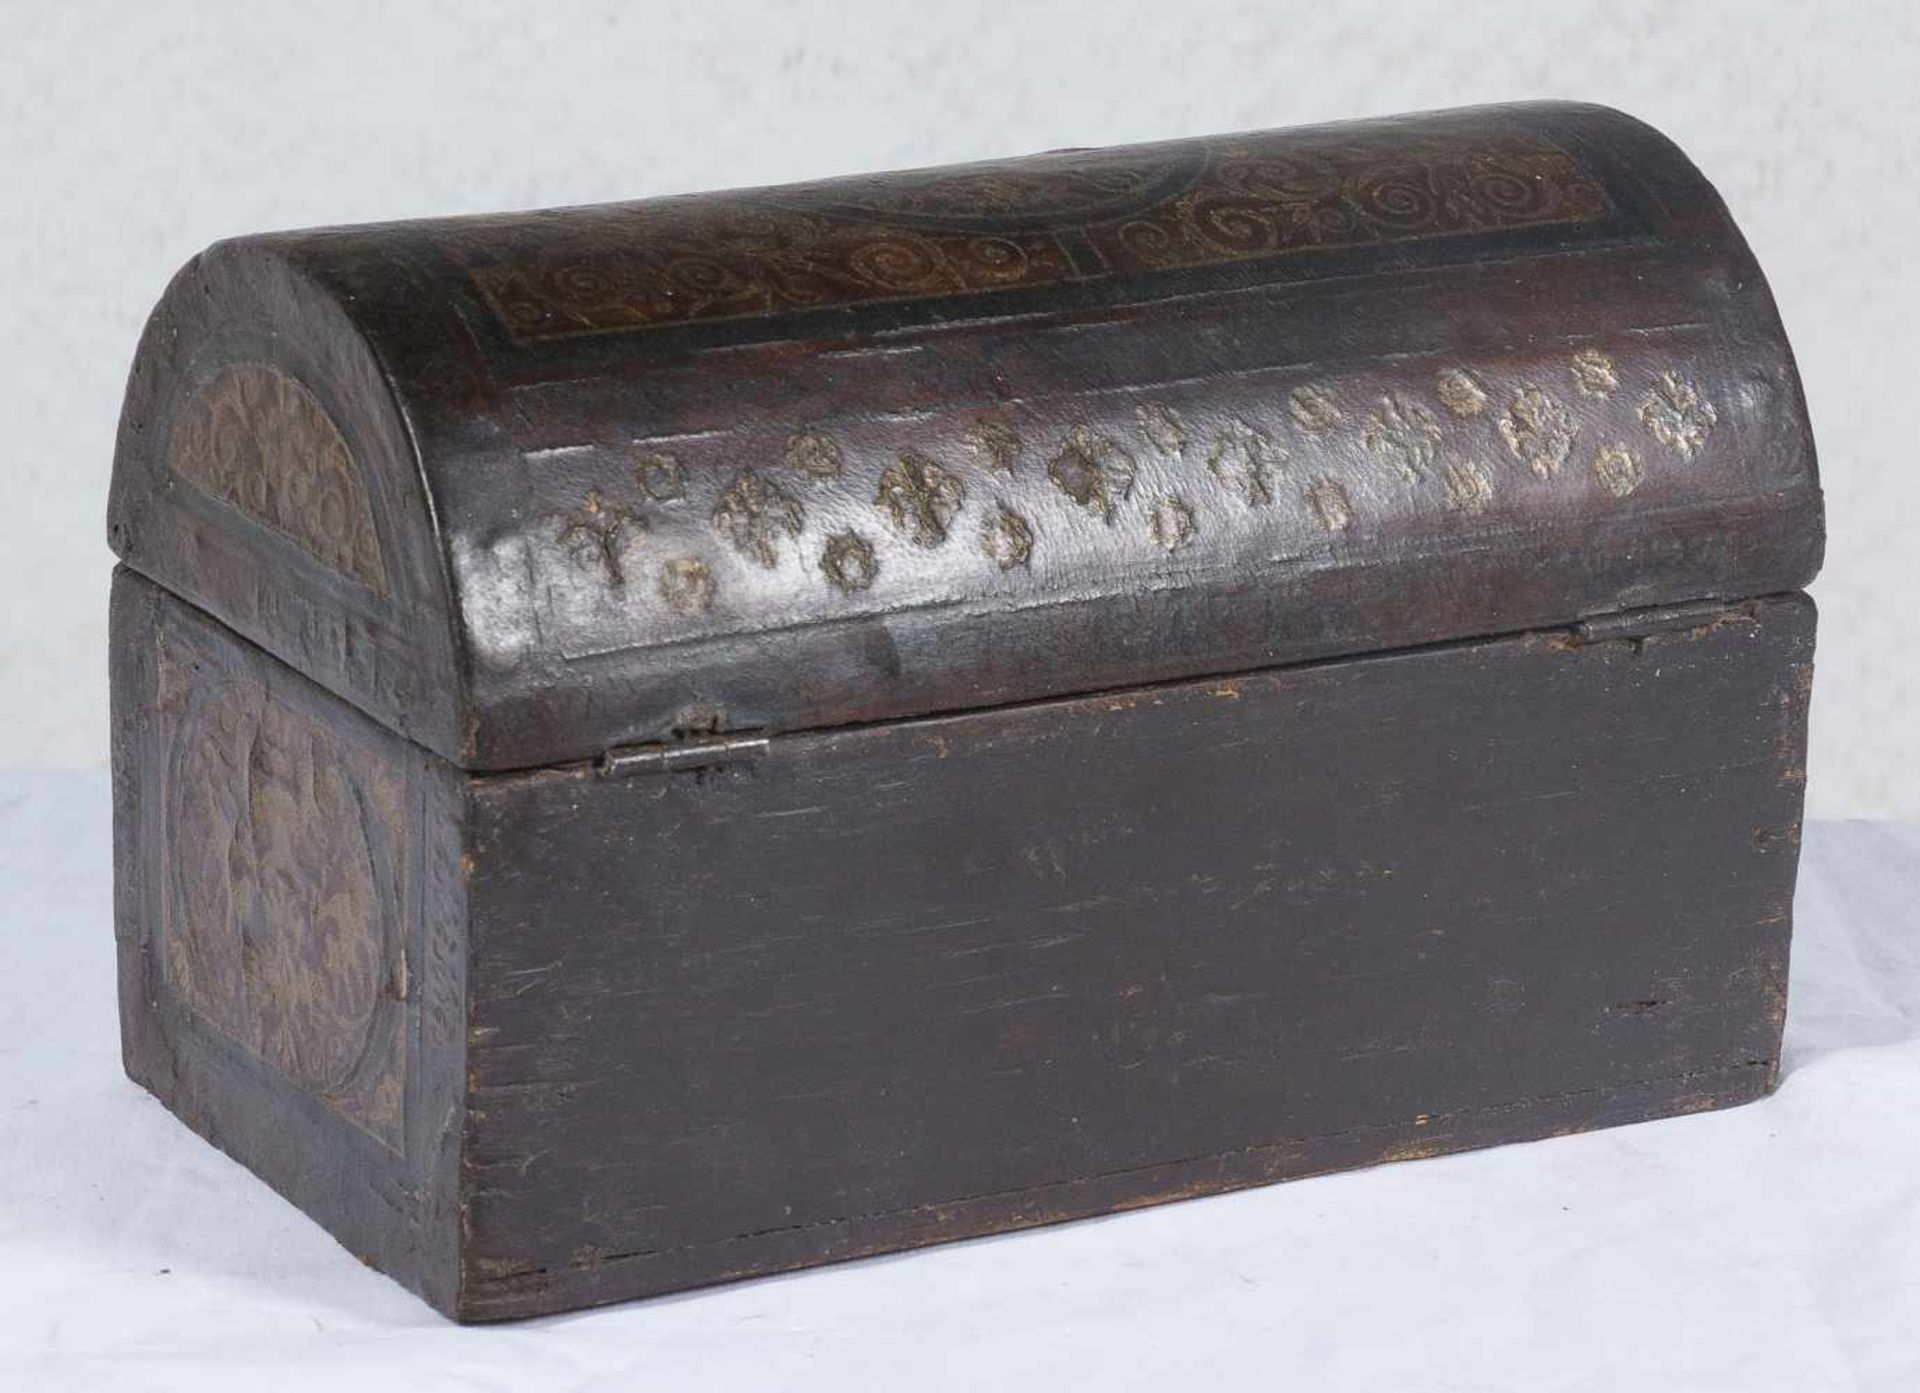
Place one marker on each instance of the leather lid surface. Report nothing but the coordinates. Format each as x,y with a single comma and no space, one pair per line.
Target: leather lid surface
528,487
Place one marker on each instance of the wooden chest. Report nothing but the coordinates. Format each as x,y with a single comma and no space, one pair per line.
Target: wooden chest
664,742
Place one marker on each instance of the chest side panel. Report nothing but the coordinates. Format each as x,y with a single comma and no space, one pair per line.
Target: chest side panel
290,923
918,981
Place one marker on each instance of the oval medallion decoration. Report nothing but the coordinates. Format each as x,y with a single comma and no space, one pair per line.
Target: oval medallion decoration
282,909
258,441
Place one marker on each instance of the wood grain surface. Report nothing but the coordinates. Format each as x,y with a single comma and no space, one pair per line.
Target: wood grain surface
945,977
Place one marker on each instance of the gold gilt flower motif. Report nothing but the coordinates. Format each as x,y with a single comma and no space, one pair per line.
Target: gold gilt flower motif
1171,524
1677,415
1244,460
1332,509
1161,427
1404,434
660,477
1313,411
1093,471
597,532
754,514
686,585
1469,487
919,498
1594,373
992,445
1618,470
1539,431
848,562
814,455
1459,393
1006,539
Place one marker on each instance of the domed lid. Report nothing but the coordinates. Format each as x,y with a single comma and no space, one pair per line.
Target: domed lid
530,487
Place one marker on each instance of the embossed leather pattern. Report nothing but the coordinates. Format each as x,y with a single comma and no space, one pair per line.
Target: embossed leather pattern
285,851
1071,216
903,444
256,439
735,532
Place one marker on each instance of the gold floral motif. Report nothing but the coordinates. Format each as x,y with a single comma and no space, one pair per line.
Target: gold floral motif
1404,434
1093,471
755,514
1313,411
597,533
848,562
1469,487
1331,506
659,476
1594,373
1539,431
992,445
1161,427
1678,415
1171,523
919,498
1459,392
1244,459
259,441
813,454
687,585
1618,469
1006,539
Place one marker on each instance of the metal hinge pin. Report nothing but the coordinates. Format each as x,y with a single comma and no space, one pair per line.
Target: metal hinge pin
668,757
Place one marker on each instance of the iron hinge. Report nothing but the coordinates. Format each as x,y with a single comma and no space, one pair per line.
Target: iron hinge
674,756
1644,623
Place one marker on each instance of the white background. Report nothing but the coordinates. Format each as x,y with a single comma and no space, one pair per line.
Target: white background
132,135
1770,1247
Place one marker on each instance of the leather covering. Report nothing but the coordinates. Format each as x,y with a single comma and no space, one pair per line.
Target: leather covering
527,487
